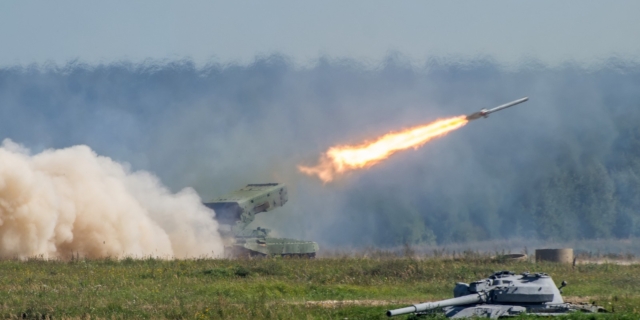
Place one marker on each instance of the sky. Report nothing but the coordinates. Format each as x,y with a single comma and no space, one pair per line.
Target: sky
509,32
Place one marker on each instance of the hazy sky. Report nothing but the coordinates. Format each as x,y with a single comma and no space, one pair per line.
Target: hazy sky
218,130
236,31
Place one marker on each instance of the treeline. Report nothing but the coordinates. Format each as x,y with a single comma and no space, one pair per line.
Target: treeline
564,165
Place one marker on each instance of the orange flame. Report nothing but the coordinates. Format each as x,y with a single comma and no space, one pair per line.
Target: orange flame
340,159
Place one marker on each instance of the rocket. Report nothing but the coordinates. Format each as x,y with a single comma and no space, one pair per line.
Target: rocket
485,113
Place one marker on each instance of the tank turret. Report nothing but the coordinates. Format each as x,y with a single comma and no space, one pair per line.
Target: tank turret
502,294
236,210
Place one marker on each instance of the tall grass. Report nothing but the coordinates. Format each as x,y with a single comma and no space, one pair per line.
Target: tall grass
275,288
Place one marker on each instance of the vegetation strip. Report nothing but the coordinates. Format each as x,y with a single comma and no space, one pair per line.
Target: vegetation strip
327,288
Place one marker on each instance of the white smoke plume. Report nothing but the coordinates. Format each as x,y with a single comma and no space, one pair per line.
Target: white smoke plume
71,201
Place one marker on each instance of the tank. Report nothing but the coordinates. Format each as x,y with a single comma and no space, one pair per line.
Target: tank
503,294
236,210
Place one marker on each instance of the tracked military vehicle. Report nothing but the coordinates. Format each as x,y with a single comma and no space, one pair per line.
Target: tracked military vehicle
236,210
503,294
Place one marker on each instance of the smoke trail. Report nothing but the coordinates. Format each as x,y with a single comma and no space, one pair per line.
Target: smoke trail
60,202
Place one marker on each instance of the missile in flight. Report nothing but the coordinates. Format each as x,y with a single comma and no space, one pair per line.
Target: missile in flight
485,113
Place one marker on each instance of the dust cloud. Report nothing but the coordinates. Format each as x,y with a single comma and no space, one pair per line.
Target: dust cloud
71,201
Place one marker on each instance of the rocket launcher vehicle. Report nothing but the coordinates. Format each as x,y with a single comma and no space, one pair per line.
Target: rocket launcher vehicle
236,210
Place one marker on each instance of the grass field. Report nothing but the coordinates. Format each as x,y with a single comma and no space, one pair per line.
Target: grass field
327,288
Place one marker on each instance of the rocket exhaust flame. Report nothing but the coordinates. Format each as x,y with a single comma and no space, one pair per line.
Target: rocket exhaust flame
340,159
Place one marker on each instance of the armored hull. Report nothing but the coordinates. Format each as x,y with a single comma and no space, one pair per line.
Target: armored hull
268,246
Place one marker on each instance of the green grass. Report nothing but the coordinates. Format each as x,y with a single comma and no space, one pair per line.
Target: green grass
275,288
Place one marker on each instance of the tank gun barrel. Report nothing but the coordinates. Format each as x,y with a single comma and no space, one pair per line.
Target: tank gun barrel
459,301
